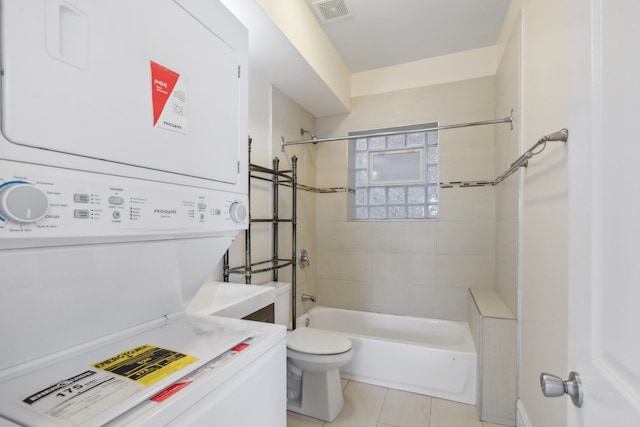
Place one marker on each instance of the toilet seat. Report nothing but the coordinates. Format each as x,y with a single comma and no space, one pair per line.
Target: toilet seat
317,341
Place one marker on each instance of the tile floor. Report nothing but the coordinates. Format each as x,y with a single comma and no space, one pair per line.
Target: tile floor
368,405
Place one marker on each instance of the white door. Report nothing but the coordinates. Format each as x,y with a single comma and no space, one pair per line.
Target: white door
604,189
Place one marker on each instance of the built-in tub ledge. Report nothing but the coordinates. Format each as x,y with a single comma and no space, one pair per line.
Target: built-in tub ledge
494,328
489,303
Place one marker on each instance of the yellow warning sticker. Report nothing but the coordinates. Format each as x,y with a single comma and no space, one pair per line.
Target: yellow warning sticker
146,364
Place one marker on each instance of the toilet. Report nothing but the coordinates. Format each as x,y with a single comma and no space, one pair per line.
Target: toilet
314,358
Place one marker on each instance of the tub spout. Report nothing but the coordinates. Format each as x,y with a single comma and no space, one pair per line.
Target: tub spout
306,297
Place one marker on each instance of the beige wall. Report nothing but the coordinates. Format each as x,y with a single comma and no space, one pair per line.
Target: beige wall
420,268
271,116
466,65
543,319
297,22
260,94
424,268
288,118
507,149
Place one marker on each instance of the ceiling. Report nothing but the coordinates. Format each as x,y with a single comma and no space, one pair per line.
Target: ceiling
382,33
375,34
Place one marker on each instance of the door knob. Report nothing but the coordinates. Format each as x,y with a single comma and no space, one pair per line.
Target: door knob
554,386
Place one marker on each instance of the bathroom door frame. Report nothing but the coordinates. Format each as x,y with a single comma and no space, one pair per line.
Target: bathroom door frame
604,211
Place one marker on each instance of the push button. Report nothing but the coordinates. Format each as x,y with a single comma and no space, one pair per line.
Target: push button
116,200
81,213
81,198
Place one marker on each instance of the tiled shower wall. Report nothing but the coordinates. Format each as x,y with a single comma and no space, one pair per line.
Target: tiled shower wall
419,268
508,149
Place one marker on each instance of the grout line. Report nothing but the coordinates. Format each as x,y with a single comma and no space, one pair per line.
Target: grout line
386,393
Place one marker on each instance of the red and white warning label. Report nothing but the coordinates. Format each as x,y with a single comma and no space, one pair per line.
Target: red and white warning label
169,97
198,373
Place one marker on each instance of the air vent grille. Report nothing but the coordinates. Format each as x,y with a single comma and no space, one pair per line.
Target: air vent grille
332,9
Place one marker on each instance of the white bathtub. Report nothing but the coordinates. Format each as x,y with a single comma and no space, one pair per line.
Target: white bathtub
427,356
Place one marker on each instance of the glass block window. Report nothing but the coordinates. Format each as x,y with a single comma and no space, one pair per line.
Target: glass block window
395,177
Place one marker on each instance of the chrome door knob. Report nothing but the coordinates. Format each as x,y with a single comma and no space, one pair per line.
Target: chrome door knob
554,386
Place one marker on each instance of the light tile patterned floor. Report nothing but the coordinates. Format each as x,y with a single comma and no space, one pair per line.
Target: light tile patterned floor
368,405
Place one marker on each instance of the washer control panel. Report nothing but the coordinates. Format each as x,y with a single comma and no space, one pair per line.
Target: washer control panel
44,202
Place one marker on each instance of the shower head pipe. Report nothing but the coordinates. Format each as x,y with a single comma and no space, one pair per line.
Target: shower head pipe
561,135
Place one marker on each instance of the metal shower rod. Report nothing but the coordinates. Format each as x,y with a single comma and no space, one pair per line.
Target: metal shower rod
370,135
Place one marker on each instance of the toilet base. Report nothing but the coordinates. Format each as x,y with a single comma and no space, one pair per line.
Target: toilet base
320,397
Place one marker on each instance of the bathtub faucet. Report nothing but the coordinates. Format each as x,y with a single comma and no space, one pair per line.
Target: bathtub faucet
306,297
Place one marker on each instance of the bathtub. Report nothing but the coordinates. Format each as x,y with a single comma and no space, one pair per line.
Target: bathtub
432,357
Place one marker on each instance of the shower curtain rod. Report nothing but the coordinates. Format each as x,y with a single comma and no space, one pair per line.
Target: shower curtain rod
369,135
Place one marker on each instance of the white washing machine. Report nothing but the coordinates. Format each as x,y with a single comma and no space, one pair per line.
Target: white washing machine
122,182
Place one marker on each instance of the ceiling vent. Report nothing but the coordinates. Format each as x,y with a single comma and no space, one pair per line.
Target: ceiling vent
330,10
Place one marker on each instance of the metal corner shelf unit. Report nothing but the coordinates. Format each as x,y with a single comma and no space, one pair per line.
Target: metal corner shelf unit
277,177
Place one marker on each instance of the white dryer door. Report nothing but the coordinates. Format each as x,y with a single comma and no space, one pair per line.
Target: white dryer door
142,83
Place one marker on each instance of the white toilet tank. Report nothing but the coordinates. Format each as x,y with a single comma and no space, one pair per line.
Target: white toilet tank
283,301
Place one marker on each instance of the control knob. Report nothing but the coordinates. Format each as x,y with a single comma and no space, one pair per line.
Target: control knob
238,212
22,202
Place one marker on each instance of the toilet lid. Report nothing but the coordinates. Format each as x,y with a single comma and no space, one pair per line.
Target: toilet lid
317,341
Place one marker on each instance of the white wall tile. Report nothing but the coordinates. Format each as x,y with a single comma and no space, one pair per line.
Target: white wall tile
403,268
469,156
331,206
466,237
406,300
343,236
353,295
467,204
395,265
452,303
466,271
343,265
404,237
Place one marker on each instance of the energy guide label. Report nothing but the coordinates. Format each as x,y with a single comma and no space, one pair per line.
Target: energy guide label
80,398
146,364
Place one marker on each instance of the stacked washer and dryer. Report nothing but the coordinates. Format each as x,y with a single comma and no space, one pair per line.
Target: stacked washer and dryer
122,183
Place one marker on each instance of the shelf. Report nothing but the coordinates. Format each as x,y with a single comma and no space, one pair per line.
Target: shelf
271,220
281,263
277,178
